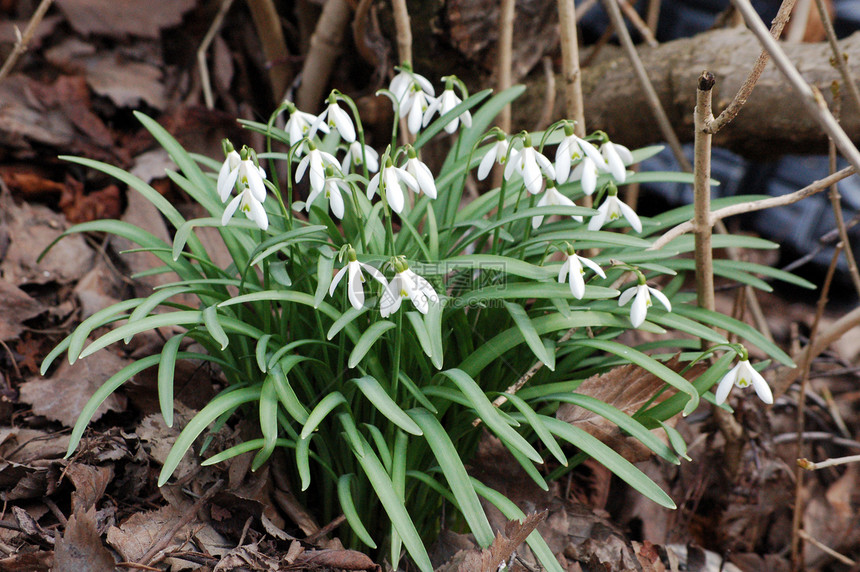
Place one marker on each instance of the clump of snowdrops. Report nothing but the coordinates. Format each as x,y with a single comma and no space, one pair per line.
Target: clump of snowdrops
368,326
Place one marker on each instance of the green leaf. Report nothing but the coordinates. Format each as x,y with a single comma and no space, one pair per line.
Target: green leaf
537,425
455,473
183,318
303,461
76,340
213,326
260,351
648,363
533,340
490,414
325,265
285,392
610,459
268,422
379,398
320,412
344,495
367,339
166,372
433,322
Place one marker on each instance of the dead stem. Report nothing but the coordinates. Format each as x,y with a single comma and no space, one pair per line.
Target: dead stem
549,95
24,39
570,72
325,47
205,82
796,540
730,112
642,76
505,63
403,29
702,193
839,58
808,96
268,25
804,463
638,22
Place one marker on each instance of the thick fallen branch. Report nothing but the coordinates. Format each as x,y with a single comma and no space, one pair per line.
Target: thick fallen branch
773,121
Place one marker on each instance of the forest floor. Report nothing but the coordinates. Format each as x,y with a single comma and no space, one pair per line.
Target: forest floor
72,94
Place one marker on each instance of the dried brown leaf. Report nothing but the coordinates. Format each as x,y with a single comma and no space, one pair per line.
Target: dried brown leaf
62,396
121,19
90,483
627,388
341,559
81,549
28,562
15,308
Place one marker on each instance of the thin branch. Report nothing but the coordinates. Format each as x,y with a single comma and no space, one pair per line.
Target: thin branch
403,28
730,112
808,96
839,58
752,206
811,466
546,115
806,365
268,25
505,63
570,72
702,193
650,93
325,47
205,82
638,22
24,39
836,203
824,548
799,21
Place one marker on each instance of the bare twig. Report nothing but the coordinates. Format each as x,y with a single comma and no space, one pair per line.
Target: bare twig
549,95
808,96
324,49
839,58
797,520
653,14
799,21
268,25
702,193
841,557
651,94
403,29
638,22
804,463
746,89
205,83
24,39
752,206
570,71
505,63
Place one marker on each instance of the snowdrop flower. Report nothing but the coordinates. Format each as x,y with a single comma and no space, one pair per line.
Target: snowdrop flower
299,125
529,163
422,174
616,158
332,188
354,157
613,209
407,284
229,171
355,279
445,103
316,160
390,179
240,168
335,118
572,270
743,375
573,148
403,82
552,197
248,204
498,152
642,301
586,173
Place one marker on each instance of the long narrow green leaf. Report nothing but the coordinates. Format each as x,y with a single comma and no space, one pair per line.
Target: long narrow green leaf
367,339
455,473
218,406
303,461
260,352
268,423
320,412
286,394
213,326
537,425
606,456
183,318
344,495
648,363
384,488
533,340
433,322
379,398
78,338
166,372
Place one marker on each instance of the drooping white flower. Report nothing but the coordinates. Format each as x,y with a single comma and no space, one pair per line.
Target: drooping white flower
317,161
497,153
572,270
407,284
553,197
402,84
573,148
299,125
445,103
616,158
335,118
529,163
743,375
641,296
422,174
390,179
332,187
248,204
414,105
355,279
586,173
613,209
354,157
229,173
